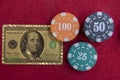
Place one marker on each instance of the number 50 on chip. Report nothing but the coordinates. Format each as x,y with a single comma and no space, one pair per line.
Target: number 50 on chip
99,26
65,27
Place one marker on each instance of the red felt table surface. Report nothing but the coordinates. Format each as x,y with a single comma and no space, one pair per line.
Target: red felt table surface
42,12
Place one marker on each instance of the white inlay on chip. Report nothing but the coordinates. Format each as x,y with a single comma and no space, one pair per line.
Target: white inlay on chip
98,40
110,20
89,45
99,13
75,19
95,57
87,33
87,20
54,34
110,33
63,14
66,39
88,67
76,32
76,45
53,21
69,55
75,67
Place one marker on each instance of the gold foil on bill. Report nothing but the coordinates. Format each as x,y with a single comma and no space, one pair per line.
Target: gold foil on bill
30,44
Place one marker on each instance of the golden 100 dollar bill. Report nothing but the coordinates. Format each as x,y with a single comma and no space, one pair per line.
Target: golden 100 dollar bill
30,44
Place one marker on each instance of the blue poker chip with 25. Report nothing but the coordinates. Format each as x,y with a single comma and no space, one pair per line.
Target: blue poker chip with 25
82,56
99,26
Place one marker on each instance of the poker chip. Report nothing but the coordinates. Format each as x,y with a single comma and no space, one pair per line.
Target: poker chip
64,27
82,56
98,26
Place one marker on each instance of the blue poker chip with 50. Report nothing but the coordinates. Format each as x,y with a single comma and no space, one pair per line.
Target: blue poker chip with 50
99,26
82,56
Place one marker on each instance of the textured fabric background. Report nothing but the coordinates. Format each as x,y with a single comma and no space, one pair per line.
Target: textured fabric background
41,12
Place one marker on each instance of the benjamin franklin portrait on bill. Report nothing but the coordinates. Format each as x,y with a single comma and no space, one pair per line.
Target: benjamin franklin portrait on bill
32,45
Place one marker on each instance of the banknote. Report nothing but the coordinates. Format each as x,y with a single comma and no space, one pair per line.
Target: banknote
30,44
